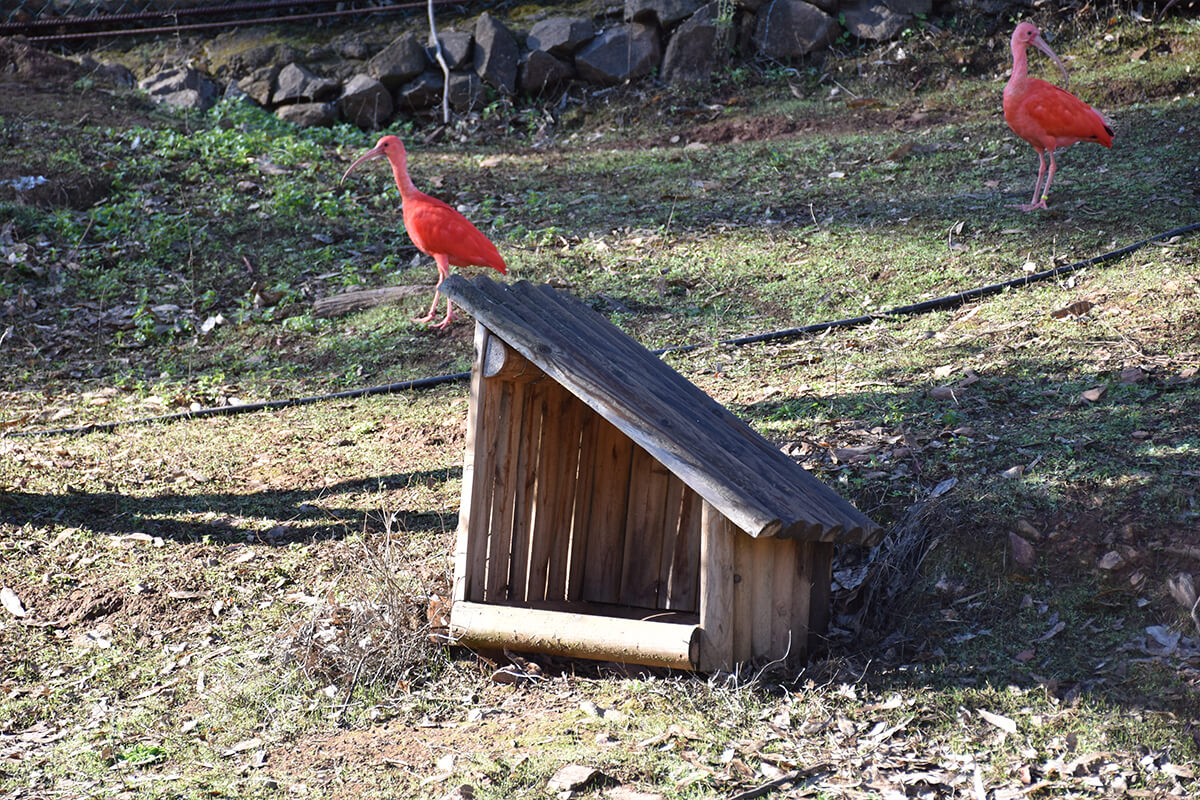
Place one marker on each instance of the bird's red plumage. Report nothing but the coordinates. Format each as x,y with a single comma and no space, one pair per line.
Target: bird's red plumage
435,227
1046,116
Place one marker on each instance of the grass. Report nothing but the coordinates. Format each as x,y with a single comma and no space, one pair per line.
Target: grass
201,585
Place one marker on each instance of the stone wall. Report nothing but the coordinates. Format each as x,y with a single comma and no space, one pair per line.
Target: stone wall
674,41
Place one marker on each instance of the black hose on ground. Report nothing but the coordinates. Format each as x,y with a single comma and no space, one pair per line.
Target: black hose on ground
936,304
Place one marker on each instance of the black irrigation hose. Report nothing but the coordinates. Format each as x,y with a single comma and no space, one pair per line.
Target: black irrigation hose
936,304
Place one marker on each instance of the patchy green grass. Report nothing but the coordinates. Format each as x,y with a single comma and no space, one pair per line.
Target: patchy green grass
208,597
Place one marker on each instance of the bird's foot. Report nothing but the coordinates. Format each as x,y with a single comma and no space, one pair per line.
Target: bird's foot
424,319
1032,206
445,323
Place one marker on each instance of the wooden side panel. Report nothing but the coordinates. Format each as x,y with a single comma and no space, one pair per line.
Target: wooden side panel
743,595
525,488
683,593
581,512
716,590
606,523
473,509
819,595
785,643
644,530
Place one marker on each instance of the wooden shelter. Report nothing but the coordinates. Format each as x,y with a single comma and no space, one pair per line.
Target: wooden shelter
612,510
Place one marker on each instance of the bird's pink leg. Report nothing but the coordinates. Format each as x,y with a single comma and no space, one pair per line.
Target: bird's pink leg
1037,186
443,267
449,316
1050,177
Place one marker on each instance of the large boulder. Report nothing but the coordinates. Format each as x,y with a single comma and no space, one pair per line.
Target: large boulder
297,83
182,87
620,54
872,19
259,85
365,102
425,91
664,13
696,48
910,6
466,91
496,54
560,36
457,48
542,72
787,29
308,115
398,63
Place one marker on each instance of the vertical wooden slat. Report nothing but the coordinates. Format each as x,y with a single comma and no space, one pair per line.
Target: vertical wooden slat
762,580
684,591
584,496
571,411
822,585
507,425
470,549
716,590
606,523
802,578
784,642
525,487
644,530
743,595
557,454
672,504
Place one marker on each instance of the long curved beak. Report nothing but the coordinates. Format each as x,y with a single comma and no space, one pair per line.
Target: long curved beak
374,152
1040,44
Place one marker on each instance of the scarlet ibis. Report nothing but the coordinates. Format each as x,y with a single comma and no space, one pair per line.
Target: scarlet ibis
434,227
1044,115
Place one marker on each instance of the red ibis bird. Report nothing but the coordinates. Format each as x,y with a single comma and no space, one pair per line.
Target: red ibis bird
434,227
1044,115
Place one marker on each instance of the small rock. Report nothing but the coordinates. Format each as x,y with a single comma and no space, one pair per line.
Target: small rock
260,84
1111,560
1022,550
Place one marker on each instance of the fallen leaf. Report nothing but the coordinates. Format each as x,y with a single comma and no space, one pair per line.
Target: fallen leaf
1093,394
242,746
572,777
1076,309
1111,560
1133,375
943,393
12,603
1003,723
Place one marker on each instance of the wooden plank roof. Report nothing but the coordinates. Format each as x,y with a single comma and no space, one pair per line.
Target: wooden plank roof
748,479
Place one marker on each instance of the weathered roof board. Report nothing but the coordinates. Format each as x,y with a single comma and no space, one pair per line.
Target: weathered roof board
749,480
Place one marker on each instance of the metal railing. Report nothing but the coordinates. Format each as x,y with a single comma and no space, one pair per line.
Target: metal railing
67,20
